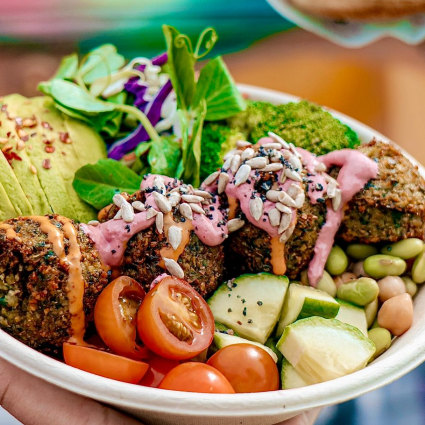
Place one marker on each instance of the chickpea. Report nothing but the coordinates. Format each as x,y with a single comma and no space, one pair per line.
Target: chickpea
390,286
358,269
344,278
396,314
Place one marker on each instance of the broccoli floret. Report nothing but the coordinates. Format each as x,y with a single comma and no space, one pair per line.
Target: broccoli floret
303,123
217,139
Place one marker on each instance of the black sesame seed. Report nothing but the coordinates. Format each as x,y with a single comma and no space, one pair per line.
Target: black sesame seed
113,251
244,311
260,303
229,310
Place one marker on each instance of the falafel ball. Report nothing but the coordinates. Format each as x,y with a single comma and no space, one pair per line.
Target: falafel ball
36,272
390,207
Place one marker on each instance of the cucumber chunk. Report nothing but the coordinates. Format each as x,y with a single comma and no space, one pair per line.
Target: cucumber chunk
323,349
222,340
290,377
305,301
353,315
250,304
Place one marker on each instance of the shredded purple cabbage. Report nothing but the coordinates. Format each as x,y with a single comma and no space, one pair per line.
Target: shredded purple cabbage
121,147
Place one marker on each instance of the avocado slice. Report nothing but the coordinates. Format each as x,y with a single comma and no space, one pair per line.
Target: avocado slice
6,207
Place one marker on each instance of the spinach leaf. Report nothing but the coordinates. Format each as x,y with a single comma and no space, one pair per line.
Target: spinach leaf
68,67
101,62
97,183
217,87
164,156
142,148
180,66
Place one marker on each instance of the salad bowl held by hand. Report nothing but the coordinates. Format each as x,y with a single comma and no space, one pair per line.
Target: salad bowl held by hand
156,406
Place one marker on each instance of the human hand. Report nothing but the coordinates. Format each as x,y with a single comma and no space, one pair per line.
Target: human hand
35,402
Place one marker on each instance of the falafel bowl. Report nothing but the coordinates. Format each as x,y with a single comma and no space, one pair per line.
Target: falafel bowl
236,240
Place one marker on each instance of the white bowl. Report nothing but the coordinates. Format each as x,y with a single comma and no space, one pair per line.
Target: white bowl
156,406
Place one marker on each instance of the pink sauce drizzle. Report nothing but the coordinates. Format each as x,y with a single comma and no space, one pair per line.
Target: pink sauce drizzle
112,236
356,170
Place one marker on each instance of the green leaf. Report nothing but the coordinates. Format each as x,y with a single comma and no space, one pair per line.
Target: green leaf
68,67
217,87
113,123
142,148
180,66
101,62
193,161
164,156
97,183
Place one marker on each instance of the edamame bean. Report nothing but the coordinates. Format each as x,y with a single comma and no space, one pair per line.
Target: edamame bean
337,261
378,266
396,314
361,291
390,286
407,248
327,284
360,251
371,310
411,287
381,338
344,278
418,268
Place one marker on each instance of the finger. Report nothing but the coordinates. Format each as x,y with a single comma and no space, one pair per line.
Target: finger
305,418
35,402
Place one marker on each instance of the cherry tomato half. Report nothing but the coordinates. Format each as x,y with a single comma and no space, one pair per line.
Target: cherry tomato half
115,316
197,378
174,321
248,368
104,364
159,367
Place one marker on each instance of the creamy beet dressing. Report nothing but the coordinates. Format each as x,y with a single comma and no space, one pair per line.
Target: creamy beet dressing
356,170
111,237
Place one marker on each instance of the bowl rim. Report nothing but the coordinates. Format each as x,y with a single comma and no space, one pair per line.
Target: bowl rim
386,369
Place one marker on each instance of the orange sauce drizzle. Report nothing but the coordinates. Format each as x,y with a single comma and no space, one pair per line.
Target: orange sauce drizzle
233,206
168,251
10,231
278,256
76,285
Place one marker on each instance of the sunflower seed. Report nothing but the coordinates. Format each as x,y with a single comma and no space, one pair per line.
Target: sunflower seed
272,146
256,208
186,211
287,233
118,200
274,217
273,195
278,139
223,179
299,200
283,208
242,174
336,200
127,212
203,193
227,164
282,178
159,184
174,198
242,144
139,206
229,154
285,199
152,212
285,222
276,157
247,154
293,175
273,167
196,208
159,222
320,167
118,215
236,162
162,202
175,236
294,190
258,162
173,267
295,162
93,223
331,189
192,198
234,224
293,149
211,178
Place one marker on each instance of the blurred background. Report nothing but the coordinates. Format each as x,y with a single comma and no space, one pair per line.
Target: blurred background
382,85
